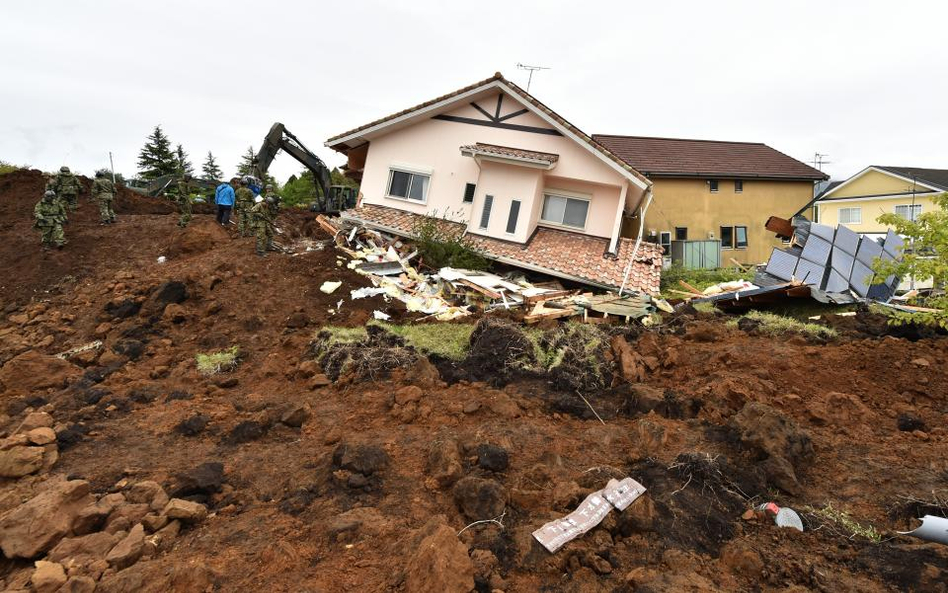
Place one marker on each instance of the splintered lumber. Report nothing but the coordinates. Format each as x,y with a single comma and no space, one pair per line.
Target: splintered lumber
739,265
631,306
541,311
327,225
691,288
545,296
485,291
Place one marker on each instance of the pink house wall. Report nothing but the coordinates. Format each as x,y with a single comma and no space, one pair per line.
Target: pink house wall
434,145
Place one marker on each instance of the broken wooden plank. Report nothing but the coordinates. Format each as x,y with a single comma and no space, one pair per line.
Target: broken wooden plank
691,288
485,291
327,225
546,296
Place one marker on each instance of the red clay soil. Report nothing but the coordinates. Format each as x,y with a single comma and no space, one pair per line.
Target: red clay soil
380,470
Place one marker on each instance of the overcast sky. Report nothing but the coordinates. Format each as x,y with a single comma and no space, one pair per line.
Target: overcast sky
864,82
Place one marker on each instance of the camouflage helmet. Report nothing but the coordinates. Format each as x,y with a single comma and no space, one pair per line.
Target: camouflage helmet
49,194
64,169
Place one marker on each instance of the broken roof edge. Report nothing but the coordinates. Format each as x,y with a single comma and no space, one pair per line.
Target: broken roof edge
538,107
640,257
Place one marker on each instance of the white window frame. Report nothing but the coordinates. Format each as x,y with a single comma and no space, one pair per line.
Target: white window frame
850,210
566,195
746,237
910,207
408,171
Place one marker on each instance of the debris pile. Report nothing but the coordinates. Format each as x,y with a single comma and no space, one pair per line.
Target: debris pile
449,293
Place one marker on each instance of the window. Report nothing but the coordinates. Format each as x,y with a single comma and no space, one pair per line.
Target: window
569,212
909,211
681,233
727,237
740,237
407,186
852,215
738,186
485,213
713,185
665,240
513,216
469,190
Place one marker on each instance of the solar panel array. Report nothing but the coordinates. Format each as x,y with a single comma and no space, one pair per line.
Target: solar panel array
837,260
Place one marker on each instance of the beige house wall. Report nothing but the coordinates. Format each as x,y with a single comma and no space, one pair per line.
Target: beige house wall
869,209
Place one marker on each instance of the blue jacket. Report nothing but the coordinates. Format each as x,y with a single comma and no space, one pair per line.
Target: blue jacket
224,195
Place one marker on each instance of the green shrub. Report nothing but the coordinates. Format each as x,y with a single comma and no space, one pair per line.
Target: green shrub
441,243
6,167
701,279
450,340
218,362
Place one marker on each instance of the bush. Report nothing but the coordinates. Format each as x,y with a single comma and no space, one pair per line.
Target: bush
441,243
6,167
218,362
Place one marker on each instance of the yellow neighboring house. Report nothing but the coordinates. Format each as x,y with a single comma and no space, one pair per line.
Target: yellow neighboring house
858,201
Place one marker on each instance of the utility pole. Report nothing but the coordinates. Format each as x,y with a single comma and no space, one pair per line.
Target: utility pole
112,167
531,69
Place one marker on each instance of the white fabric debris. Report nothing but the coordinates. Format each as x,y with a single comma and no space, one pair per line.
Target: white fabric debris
381,316
329,286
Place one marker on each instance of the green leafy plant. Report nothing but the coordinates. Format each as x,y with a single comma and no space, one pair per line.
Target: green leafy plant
925,256
6,167
441,243
700,278
222,361
776,325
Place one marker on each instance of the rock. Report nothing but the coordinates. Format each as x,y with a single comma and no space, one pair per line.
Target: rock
920,362
908,422
43,435
308,368
365,459
357,480
143,492
361,519
741,559
175,313
78,584
164,537
168,293
185,510
480,498
122,308
297,320
202,481
484,563
127,514
83,550
441,564
246,431
48,577
780,473
769,433
409,393
492,457
92,517
35,420
38,524
33,371
318,380
129,348
444,462
16,462
296,415
154,522
192,426
129,550
161,499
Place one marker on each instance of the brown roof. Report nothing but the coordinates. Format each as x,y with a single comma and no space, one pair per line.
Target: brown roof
559,253
526,97
517,153
676,157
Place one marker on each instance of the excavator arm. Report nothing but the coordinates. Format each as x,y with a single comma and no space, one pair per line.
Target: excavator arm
279,138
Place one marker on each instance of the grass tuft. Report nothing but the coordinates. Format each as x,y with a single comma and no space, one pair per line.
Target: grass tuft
844,520
450,340
218,362
777,325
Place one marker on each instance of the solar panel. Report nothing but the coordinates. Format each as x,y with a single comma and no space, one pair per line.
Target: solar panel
846,240
860,278
782,264
869,249
822,231
817,250
836,282
810,273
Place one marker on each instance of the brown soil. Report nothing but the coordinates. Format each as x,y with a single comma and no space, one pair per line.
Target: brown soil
375,441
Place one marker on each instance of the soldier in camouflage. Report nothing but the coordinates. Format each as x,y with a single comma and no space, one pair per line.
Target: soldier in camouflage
103,191
184,200
49,215
245,203
67,188
264,213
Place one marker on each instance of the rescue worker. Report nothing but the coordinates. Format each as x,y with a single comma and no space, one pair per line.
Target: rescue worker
224,198
49,215
264,213
245,203
184,200
104,192
67,188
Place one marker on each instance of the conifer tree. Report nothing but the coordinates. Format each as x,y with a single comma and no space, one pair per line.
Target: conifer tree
184,166
156,158
245,167
210,169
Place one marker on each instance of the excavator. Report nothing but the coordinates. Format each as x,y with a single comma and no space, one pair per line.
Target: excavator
334,198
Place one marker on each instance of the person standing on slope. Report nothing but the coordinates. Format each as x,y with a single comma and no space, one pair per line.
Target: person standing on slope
49,214
104,192
245,202
224,198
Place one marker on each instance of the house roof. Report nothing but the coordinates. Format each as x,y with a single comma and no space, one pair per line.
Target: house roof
509,152
679,157
338,141
564,254
937,178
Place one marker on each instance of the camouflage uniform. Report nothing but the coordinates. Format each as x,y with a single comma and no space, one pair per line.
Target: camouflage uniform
67,188
50,214
184,202
104,192
244,200
263,216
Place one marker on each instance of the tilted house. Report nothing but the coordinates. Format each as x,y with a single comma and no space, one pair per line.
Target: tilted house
858,201
528,188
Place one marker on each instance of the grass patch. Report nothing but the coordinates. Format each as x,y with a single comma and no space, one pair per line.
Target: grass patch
705,307
450,340
843,521
700,279
218,362
6,167
776,325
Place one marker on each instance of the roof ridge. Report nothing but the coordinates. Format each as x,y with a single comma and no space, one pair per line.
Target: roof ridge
903,167
680,139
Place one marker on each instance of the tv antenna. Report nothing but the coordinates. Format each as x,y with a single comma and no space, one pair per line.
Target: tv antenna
818,160
531,69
